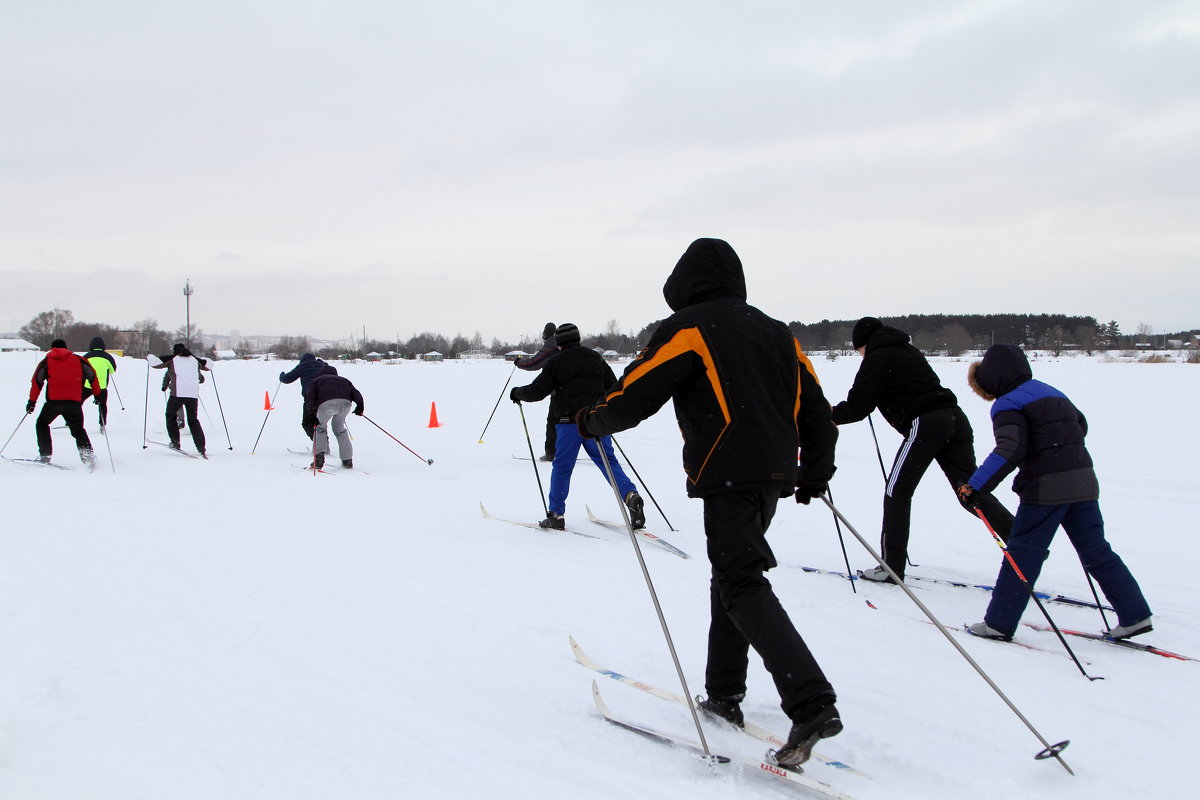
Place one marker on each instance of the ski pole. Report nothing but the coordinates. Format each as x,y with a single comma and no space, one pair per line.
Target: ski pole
393,438
1012,562
14,433
112,380
533,458
498,399
1049,750
642,482
108,444
878,452
268,416
219,408
662,620
1099,605
838,526
146,405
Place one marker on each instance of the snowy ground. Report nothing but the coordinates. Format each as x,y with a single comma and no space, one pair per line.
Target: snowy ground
242,628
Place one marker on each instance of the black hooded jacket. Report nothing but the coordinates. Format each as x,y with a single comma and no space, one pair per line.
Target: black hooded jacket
328,385
577,376
745,394
895,378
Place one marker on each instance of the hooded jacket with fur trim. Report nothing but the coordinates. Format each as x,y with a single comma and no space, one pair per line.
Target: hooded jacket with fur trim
1038,430
745,394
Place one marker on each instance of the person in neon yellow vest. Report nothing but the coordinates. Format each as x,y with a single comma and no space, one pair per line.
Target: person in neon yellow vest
104,365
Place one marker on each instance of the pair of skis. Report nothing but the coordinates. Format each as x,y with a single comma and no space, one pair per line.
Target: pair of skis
652,538
794,776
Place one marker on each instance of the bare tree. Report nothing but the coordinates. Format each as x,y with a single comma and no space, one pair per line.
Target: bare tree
47,326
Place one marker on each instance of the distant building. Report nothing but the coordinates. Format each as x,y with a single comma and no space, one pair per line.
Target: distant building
432,355
475,352
513,355
16,345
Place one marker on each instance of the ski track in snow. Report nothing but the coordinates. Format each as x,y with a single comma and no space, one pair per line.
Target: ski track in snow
240,628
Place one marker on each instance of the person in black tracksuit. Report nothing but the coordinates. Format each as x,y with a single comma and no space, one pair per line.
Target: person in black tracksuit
574,379
746,397
308,368
536,362
895,378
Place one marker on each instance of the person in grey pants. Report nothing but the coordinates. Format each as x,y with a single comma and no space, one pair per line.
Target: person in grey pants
327,402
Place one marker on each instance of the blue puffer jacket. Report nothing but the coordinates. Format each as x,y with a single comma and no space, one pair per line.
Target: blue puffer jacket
309,367
1038,430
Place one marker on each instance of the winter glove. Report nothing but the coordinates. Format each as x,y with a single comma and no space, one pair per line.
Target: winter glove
968,497
513,394
282,375
309,422
358,412
581,424
96,399
806,490
29,407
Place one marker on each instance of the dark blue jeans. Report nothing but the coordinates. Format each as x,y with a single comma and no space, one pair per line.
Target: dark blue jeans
566,451
1033,529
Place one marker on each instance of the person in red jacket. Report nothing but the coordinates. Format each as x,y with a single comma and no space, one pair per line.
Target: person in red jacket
63,374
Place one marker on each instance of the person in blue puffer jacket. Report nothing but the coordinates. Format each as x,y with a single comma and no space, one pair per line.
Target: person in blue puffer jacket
1040,433
309,367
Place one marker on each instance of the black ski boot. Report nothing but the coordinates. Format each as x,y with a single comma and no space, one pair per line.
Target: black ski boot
348,463
726,708
637,513
804,736
556,522
318,461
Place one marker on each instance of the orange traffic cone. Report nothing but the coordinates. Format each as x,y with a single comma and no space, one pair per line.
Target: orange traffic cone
433,420
267,402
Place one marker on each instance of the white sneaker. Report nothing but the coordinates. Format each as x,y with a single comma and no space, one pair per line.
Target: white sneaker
1125,631
987,632
877,574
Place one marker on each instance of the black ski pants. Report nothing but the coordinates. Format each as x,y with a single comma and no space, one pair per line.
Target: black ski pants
551,429
102,402
188,404
944,436
72,413
745,611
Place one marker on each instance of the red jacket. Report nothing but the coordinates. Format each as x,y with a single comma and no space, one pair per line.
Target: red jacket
64,372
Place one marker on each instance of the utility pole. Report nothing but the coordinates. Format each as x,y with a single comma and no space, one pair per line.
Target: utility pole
188,291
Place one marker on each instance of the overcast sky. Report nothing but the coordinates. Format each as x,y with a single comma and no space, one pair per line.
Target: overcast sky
317,167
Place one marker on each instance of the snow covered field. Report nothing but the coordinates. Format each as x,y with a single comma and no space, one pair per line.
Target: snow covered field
241,628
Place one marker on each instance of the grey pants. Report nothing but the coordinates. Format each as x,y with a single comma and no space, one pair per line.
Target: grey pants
337,411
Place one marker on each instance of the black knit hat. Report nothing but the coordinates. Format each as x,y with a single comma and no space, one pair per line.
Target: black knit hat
58,343
566,334
97,343
548,331
180,349
863,330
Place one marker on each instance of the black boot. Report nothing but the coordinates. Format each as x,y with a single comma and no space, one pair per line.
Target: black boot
726,708
554,521
805,734
637,513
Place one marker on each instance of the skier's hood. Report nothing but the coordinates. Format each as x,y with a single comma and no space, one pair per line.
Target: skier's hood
97,343
307,357
58,354
1003,368
886,336
709,268
326,370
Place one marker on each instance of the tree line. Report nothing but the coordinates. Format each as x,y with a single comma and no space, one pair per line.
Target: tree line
934,334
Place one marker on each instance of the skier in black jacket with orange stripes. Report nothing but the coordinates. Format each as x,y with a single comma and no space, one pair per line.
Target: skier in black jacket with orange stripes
746,397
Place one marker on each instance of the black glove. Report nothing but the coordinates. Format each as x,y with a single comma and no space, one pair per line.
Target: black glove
309,422
968,497
512,395
282,375
581,423
806,490
96,399
29,407
358,412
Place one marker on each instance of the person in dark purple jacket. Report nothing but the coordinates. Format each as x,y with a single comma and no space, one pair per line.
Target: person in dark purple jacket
536,362
329,399
1040,432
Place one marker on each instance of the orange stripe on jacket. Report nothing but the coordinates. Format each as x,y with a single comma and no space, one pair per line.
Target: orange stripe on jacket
687,340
